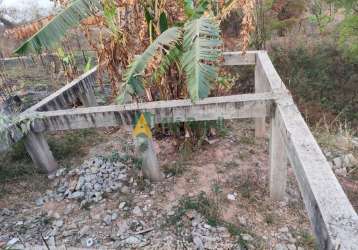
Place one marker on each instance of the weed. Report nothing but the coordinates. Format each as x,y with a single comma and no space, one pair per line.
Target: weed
230,165
238,232
86,206
305,239
72,144
270,218
320,76
245,189
243,155
206,206
16,163
247,140
175,169
115,157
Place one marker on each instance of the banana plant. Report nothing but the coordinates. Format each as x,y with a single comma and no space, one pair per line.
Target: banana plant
52,33
195,47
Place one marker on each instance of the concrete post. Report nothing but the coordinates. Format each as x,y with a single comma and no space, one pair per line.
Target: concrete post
278,163
260,123
39,151
150,164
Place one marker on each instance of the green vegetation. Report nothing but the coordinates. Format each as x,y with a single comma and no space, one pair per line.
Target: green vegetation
321,76
348,37
73,143
206,206
305,239
209,207
49,36
16,163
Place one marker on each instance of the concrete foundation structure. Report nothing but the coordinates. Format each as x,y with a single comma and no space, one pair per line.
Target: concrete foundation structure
333,219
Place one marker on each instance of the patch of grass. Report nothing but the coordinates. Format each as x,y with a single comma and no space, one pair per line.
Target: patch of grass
72,144
270,218
247,140
209,208
239,231
206,206
230,165
245,189
174,169
305,239
243,155
236,231
16,163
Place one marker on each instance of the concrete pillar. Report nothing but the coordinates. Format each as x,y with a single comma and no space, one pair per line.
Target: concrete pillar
278,163
88,98
40,153
150,164
260,123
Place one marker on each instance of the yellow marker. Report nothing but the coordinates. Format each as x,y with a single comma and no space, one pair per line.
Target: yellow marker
142,127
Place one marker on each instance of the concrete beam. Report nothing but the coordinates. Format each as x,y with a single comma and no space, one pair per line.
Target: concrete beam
334,221
212,108
270,79
79,89
240,58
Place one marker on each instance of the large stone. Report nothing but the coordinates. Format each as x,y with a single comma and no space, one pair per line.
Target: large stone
337,163
80,183
76,195
350,161
133,240
107,219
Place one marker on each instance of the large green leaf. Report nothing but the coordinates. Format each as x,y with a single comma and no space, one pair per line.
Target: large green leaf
192,11
133,75
172,56
202,50
52,33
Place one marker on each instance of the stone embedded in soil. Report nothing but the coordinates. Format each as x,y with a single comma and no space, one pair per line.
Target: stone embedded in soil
198,243
133,240
89,242
39,202
122,205
58,223
342,172
350,161
12,242
107,219
337,163
247,237
84,230
232,196
137,211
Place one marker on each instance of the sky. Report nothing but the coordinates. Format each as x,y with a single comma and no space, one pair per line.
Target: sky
27,8
23,4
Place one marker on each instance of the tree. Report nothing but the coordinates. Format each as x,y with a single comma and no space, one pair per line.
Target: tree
3,19
348,28
198,39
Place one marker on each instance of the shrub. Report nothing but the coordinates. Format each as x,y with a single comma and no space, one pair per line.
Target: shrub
321,75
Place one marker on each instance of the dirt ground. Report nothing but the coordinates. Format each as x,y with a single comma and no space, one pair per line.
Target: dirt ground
230,170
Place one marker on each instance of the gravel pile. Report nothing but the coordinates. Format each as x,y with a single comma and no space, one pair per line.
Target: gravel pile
89,182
